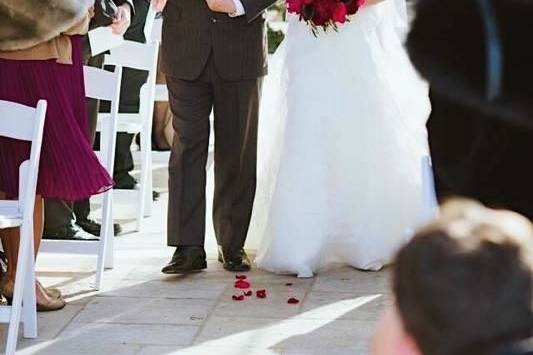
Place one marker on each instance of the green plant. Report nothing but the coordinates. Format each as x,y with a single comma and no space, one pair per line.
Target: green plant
274,39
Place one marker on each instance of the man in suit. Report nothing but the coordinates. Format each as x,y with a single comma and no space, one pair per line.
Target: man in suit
214,56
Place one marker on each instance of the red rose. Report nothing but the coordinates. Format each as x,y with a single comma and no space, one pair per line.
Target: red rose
339,15
323,11
261,294
352,7
242,284
296,6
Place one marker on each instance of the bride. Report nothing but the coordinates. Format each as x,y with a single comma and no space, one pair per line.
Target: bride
342,142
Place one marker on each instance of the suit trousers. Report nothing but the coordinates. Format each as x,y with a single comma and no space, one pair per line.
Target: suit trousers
235,105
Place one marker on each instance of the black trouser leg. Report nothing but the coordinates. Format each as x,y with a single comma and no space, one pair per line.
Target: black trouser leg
236,119
191,103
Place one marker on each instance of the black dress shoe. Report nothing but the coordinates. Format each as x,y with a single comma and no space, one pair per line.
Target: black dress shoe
124,181
69,233
95,228
186,260
234,261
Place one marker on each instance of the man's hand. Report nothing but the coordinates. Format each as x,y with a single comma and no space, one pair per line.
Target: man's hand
225,6
122,21
159,5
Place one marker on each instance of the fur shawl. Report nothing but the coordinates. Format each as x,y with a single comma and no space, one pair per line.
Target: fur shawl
26,23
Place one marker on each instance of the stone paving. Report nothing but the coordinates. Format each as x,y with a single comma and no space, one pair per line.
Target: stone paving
140,311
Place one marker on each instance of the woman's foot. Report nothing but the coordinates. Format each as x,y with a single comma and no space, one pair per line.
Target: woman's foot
45,302
50,291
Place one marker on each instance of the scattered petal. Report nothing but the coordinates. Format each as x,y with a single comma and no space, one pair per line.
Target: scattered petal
237,298
288,284
293,300
248,293
243,285
261,293
241,277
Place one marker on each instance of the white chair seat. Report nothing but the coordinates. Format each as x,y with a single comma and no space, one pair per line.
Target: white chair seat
10,216
127,122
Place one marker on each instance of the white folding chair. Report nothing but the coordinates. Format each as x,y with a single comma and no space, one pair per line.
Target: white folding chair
150,22
139,56
102,85
429,200
24,123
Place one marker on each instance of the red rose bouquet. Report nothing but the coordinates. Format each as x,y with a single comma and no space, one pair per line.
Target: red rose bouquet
324,13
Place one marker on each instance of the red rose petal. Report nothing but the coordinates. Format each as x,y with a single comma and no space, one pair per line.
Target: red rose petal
248,293
261,294
288,284
293,300
240,277
243,285
237,298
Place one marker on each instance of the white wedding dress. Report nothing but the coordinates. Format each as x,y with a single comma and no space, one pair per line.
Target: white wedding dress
342,142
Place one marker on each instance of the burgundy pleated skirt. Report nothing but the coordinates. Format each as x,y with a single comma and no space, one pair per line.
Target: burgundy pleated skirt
69,169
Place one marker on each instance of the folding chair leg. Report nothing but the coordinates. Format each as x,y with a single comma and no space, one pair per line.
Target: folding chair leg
109,259
429,201
144,207
22,273
148,196
105,236
29,308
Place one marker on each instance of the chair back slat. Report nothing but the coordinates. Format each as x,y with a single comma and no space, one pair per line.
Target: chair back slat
29,170
16,121
149,24
105,85
157,30
101,84
135,55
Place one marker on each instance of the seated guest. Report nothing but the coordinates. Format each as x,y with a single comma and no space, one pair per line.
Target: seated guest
462,286
481,144
65,219
45,62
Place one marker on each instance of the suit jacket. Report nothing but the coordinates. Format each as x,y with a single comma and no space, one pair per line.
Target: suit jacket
192,33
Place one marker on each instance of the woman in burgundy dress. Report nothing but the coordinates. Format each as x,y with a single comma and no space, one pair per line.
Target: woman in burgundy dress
52,70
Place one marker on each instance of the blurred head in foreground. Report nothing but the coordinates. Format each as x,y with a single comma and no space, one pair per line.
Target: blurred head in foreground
462,286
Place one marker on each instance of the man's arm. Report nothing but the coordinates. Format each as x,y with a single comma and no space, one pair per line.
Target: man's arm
126,10
129,2
249,8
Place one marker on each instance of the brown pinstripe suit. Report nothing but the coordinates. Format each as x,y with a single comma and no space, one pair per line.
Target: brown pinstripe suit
213,61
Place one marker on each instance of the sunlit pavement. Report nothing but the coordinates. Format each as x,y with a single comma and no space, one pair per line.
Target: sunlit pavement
140,311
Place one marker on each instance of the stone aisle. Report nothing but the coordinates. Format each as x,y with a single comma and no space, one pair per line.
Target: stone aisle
140,311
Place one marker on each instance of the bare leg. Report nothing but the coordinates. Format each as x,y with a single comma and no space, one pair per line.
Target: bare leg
11,242
160,122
